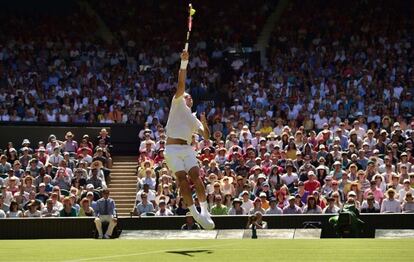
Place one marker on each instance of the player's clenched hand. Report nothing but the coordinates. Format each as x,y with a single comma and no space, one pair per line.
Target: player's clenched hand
184,56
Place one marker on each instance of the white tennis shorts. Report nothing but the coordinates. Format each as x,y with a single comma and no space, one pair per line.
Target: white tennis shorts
180,157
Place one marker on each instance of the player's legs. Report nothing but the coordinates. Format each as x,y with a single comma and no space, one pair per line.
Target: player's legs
185,189
198,184
174,155
181,160
205,219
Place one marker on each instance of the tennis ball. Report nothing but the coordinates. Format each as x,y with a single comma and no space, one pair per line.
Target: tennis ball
192,11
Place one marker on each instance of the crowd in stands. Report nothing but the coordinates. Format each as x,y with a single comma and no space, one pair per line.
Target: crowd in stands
54,178
52,74
328,121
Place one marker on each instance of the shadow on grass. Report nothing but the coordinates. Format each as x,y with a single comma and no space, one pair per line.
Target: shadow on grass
190,253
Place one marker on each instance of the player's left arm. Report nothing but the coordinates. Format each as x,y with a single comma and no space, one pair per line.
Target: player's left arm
205,131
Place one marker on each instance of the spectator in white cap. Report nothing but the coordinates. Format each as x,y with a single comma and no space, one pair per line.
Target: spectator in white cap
26,143
376,155
25,157
90,195
247,203
337,171
404,162
406,189
370,140
353,195
42,195
312,184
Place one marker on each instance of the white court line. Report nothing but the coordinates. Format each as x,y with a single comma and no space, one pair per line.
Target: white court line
146,253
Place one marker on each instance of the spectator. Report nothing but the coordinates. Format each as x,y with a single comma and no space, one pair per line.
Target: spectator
86,210
69,145
94,179
55,158
218,208
408,205
311,206
331,208
32,210
237,208
105,212
292,208
62,179
370,207
312,184
163,210
50,210
375,191
68,210
273,208
406,189
42,195
145,207
390,204
147,179
247,204
91,197
4,165
14,211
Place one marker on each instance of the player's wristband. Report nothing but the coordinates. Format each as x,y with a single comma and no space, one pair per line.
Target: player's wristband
184,64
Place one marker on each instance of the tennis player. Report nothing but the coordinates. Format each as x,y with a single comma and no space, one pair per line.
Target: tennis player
180,156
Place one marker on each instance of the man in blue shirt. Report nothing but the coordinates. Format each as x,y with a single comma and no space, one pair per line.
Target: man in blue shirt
105,212
144,207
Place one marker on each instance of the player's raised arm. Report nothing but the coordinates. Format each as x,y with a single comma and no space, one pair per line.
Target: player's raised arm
205,132
182,74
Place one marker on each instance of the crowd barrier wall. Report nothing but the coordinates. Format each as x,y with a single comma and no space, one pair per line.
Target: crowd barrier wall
40,228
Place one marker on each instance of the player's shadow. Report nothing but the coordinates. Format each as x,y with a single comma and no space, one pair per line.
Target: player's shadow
190,253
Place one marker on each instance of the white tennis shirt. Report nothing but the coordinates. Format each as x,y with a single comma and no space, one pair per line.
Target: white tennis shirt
181,122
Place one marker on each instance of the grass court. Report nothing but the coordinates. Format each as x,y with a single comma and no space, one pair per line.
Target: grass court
208,250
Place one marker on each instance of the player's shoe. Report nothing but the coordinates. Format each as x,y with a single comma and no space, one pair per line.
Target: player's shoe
204,219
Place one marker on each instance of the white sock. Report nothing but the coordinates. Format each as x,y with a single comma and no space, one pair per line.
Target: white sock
204,207
193,210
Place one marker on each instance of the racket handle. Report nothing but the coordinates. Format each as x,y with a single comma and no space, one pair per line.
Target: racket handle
186,47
